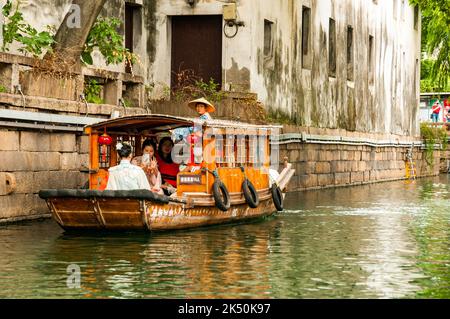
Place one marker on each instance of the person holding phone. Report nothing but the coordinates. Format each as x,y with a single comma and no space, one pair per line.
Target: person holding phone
150,166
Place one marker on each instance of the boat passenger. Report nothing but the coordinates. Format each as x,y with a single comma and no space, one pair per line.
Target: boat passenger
149,164
126,176
168,169
192,136
203,107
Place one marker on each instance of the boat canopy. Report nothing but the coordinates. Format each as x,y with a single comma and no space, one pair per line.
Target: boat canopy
160,122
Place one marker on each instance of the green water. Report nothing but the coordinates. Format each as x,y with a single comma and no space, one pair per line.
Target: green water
387,240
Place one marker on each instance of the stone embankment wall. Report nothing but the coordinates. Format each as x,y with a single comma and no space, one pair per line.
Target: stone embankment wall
330,165
40,156
31,161
445,160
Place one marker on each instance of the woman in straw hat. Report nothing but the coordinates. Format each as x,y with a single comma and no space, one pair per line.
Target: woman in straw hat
203,108
192,135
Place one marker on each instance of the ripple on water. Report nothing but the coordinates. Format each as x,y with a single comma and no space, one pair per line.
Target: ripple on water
385,240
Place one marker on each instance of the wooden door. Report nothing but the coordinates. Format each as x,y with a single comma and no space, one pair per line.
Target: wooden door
197,48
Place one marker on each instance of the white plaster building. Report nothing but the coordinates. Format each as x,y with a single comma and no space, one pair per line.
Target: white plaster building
343,64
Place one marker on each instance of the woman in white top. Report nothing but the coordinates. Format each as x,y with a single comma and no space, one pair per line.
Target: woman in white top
126,176
150,166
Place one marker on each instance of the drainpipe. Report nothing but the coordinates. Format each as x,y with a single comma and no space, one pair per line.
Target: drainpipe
122,103
18,88
83,99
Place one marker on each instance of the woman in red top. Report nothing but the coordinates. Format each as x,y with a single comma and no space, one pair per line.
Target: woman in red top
168,169
436,109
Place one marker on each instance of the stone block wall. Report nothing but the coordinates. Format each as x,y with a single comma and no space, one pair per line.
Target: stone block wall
445,160
330,165
31,161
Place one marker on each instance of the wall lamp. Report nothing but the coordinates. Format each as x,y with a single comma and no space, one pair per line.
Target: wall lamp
191,3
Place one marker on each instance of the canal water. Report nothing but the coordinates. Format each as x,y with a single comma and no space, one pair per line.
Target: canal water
387,240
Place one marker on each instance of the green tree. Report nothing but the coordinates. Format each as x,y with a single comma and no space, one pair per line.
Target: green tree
69,41
435,41
72,41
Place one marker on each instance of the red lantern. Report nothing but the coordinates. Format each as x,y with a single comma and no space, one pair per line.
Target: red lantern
104,140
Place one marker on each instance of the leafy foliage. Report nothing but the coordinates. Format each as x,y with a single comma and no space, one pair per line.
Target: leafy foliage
427,82
92,91
431,136
436,41
105,36
16,29
210,89
188,85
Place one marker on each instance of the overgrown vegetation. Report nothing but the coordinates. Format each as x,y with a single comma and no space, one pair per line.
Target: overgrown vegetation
127,102
435,44
432,136
189,86
92,91
427,81
16,29
109,42
104,35
279,117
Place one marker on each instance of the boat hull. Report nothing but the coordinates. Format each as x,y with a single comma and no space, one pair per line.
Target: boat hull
132,214
167,217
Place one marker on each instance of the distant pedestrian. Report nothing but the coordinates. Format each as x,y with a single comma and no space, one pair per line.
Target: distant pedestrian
435,110
447,111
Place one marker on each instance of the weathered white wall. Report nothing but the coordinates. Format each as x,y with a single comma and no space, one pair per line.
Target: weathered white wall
308,97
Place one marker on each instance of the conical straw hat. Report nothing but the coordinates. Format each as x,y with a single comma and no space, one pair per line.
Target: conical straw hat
209,107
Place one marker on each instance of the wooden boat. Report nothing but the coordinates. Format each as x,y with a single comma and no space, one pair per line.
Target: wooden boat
235,155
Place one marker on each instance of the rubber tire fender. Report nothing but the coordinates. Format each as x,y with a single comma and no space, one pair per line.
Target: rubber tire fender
277,197
250,193
221,195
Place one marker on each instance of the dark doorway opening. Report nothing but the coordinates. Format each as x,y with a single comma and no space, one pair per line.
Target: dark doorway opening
131,13
196,49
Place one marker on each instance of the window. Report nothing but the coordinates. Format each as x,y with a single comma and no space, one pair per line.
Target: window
416,16
268,29
332,48
349,53
253,149
371,59
219,144
229,150
104,158
241,149
132,24
306,30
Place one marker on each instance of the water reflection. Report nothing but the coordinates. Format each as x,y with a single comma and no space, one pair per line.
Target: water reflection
223,262
387,240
